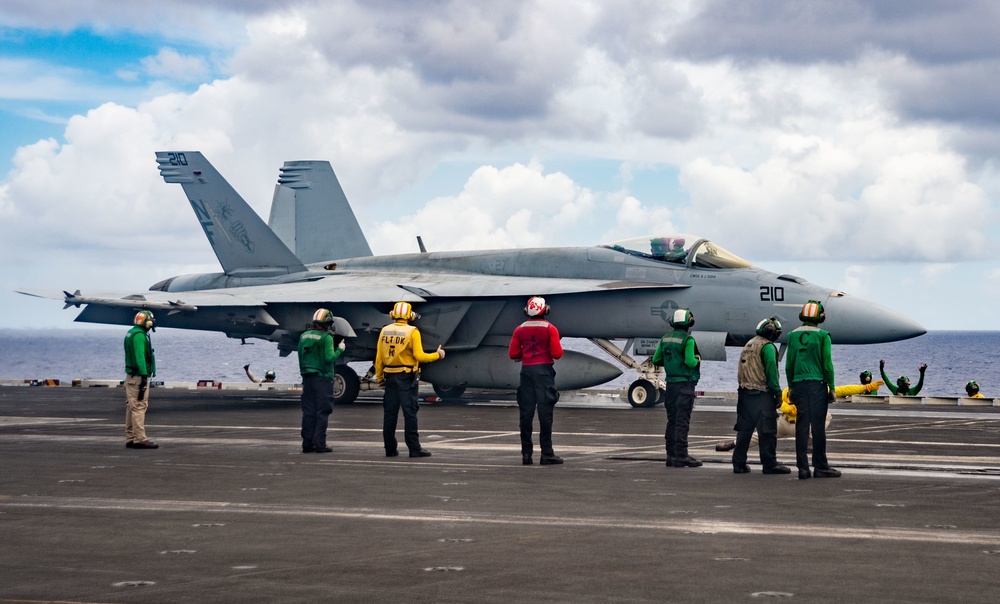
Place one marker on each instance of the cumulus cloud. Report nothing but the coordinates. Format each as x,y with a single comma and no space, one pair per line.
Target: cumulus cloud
515,206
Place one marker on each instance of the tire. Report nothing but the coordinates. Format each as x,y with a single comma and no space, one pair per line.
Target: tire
449,393
642,393
346,385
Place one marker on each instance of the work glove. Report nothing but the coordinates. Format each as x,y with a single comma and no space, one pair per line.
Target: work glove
831,396
142,387
246,367
923,367
440,352
341,346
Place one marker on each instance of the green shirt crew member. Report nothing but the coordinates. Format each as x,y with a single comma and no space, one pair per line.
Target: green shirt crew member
678,354
809,371
317,356
140,365
758,397
902,386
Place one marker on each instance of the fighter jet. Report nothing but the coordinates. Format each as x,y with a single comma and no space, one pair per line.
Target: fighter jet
314,254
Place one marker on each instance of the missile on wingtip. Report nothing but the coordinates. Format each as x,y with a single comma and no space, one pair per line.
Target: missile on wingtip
138,302
490,367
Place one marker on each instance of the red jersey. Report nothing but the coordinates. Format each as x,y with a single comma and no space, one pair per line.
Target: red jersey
535,342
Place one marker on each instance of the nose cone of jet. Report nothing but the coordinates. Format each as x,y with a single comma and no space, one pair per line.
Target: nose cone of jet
855,321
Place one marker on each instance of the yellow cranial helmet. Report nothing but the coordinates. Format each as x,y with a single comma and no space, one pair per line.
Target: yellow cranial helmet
403,310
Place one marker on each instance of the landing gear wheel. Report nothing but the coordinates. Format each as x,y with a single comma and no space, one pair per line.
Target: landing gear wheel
346,385
449,393
642,393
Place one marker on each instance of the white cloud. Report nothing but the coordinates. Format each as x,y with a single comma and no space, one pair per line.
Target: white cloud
170,64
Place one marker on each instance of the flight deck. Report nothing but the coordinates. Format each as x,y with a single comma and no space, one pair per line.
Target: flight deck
229,510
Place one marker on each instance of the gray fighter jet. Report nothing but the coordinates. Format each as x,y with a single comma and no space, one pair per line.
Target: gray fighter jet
314,254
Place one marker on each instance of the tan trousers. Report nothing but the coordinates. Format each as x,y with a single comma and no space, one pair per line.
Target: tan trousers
135,409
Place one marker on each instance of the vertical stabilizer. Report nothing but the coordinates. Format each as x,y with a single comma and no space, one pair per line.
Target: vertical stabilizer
242,242
311,215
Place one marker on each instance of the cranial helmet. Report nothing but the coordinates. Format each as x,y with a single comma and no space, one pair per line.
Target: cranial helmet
269,374
323,317
812,312
536,306
403,310
144,319
972,388
682,318
769,329
866,377
903,383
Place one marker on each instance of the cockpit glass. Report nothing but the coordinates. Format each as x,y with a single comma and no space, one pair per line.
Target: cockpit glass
678,249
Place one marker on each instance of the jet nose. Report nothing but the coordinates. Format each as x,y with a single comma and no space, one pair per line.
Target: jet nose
855,321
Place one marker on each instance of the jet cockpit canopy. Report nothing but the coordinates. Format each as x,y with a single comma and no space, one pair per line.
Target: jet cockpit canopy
687,250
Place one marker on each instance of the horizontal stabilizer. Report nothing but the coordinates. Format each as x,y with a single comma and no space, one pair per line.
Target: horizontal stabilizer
239,237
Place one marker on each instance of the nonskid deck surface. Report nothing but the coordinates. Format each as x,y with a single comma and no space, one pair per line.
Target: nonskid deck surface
228,509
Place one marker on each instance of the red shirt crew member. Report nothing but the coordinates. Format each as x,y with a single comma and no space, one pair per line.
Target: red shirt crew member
536,344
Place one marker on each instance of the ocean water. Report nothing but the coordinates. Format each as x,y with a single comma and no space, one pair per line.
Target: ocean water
953,358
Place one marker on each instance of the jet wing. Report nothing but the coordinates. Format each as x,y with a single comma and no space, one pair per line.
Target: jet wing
347,287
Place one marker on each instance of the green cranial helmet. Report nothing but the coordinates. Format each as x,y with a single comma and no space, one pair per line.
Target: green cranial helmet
769,329
903,383
972,388
866,377
681,318
270,375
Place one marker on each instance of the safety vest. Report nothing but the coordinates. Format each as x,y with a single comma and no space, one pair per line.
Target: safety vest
673,345
394,348
750,374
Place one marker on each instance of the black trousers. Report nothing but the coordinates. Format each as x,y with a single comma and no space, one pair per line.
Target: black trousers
317,405
755,410
811,402
537,391
679,403
400,393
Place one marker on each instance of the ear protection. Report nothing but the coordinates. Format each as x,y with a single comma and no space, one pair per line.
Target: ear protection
144,319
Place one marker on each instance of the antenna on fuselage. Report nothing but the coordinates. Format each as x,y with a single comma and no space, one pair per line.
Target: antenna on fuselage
420,244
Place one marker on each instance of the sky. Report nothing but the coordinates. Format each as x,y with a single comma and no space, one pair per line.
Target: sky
854,144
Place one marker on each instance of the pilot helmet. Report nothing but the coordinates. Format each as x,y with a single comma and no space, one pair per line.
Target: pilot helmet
769,329
972,388
866,377
403,311
323,317
812,312
659,245
269,375
536,306
903,383
144,319
682,318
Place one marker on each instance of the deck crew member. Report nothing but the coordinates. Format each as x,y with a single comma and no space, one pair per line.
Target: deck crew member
678,354
397,367
269,376
535,343
972,390
902,387
317,357
759,395
140,365
811,387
